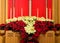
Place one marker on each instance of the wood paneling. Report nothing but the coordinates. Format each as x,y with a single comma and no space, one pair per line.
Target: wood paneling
6,9
59,11
2,11
55,11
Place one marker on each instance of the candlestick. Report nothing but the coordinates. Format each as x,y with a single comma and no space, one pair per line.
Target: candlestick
10,13
13,2
13,8
13,11
46,9
46,13
37,12
30,7
21,11
49,13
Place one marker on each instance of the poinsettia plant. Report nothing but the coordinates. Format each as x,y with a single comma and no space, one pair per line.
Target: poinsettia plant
30,27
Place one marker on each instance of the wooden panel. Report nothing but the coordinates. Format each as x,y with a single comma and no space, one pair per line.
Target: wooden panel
2,36
9,37
59,11
55,11
50,37
12,37
6,9
17,37
1,39
42,38
2,11
57,37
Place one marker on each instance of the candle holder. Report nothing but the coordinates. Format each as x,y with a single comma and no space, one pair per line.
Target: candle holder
10,13
37,12
30,4
21,12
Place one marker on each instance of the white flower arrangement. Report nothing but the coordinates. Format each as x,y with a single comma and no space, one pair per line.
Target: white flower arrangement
26,18
30,29
30,22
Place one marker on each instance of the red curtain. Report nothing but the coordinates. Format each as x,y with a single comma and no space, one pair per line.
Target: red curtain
41,5
18,4
9,8
50,9
36,4
21,4
17,7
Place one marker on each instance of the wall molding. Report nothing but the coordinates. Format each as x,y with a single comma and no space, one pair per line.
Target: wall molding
2,11
55,10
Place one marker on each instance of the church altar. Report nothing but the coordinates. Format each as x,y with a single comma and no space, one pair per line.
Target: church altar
29,30
29,21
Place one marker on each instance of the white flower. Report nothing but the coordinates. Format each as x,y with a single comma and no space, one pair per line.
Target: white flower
26,18
49,20
11,20
30,18
42,19
26,22
14,19
35,18
8,21
30,29
52,20
20,18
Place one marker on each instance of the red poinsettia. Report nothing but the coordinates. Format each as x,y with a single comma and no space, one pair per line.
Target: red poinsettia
39,26
12,25
2,26
21,23
57,26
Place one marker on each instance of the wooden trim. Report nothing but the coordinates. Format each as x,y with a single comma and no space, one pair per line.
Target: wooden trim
55,11
0,11
3,11
59,11
6,9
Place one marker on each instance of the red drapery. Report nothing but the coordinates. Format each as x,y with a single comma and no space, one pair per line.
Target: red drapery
18,4
9,8
21,4
50,9
36,4
41,5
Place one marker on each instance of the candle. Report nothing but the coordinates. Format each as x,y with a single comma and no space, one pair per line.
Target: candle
37,12
49,13
30,6
13,11
46,10
46,13
21,11
10,13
